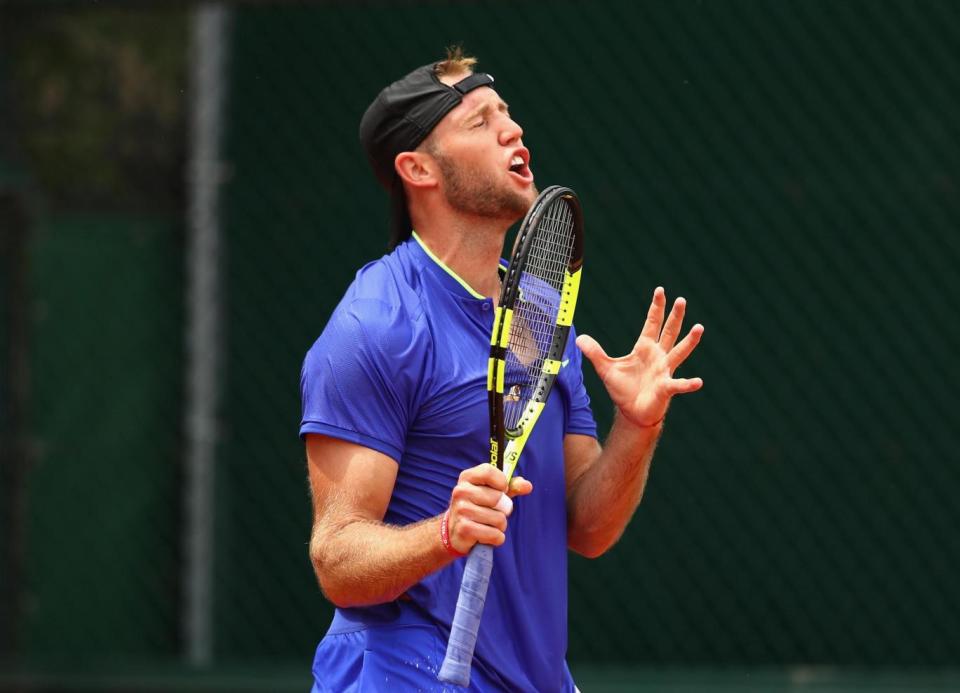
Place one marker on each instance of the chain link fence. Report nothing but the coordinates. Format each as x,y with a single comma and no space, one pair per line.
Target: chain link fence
790,168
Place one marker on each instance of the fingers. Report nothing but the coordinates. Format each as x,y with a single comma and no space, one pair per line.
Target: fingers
679,386
474,494
481,515
485,475
465,533
594,353
671,330
480,504
651,328
519,487
681,351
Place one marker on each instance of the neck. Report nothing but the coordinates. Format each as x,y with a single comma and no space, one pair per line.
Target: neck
471,247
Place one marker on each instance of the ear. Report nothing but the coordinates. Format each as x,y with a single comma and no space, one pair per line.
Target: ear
417,169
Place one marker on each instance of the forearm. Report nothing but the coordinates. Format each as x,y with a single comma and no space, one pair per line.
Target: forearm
360,562
601,501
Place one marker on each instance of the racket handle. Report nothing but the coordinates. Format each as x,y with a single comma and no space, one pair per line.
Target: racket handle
466,619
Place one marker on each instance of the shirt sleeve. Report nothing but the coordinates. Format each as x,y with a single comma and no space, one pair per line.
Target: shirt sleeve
359,379
579,414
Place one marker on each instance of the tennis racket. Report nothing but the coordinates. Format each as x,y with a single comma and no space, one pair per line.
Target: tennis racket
530,329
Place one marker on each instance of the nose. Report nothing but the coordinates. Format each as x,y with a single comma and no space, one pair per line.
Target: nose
511,131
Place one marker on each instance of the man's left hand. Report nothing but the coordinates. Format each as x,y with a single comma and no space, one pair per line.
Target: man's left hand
641,383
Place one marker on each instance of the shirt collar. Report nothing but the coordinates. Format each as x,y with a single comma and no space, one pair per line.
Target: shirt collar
453,281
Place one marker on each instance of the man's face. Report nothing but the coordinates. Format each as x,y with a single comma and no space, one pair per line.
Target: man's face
484,165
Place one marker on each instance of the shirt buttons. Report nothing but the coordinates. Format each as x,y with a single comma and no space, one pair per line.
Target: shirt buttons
486,305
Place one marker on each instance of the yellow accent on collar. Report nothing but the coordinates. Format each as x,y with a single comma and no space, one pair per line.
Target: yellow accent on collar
445,268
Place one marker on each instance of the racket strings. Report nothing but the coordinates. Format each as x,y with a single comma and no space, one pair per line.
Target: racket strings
535,313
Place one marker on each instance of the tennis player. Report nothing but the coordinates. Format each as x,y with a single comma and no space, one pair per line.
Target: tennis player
395,415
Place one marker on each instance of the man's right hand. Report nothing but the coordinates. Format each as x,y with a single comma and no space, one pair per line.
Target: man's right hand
480,504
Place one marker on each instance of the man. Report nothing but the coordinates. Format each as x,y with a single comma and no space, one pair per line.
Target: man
395,417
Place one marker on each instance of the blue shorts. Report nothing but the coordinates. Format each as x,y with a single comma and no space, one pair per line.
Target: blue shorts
404,655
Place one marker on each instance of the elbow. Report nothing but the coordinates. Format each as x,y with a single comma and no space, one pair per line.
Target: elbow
330,583
591,544
344,595
339,585
333,587
337,597
589,550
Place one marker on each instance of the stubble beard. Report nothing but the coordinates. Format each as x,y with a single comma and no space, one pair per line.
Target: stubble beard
477,193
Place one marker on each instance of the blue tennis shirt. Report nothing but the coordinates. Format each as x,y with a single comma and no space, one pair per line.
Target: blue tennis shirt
401,367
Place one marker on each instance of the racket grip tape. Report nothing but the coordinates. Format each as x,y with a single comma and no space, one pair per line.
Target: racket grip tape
466,619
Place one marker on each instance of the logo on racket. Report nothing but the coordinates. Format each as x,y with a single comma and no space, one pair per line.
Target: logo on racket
513,395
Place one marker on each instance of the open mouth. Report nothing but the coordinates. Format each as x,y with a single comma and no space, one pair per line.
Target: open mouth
519,167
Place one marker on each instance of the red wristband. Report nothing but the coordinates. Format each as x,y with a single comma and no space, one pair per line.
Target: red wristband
445,536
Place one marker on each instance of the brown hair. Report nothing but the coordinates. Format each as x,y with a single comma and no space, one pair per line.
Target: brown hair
455,62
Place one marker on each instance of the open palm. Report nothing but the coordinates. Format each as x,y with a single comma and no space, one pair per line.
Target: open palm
641,383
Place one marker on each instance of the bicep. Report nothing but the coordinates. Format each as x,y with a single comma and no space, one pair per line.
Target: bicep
579,454
354,481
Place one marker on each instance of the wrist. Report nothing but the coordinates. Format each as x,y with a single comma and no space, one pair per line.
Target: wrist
642,425
445,535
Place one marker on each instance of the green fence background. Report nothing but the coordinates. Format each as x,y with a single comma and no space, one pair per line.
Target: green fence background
788,167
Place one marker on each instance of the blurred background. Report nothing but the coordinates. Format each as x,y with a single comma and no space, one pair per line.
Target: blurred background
183,201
